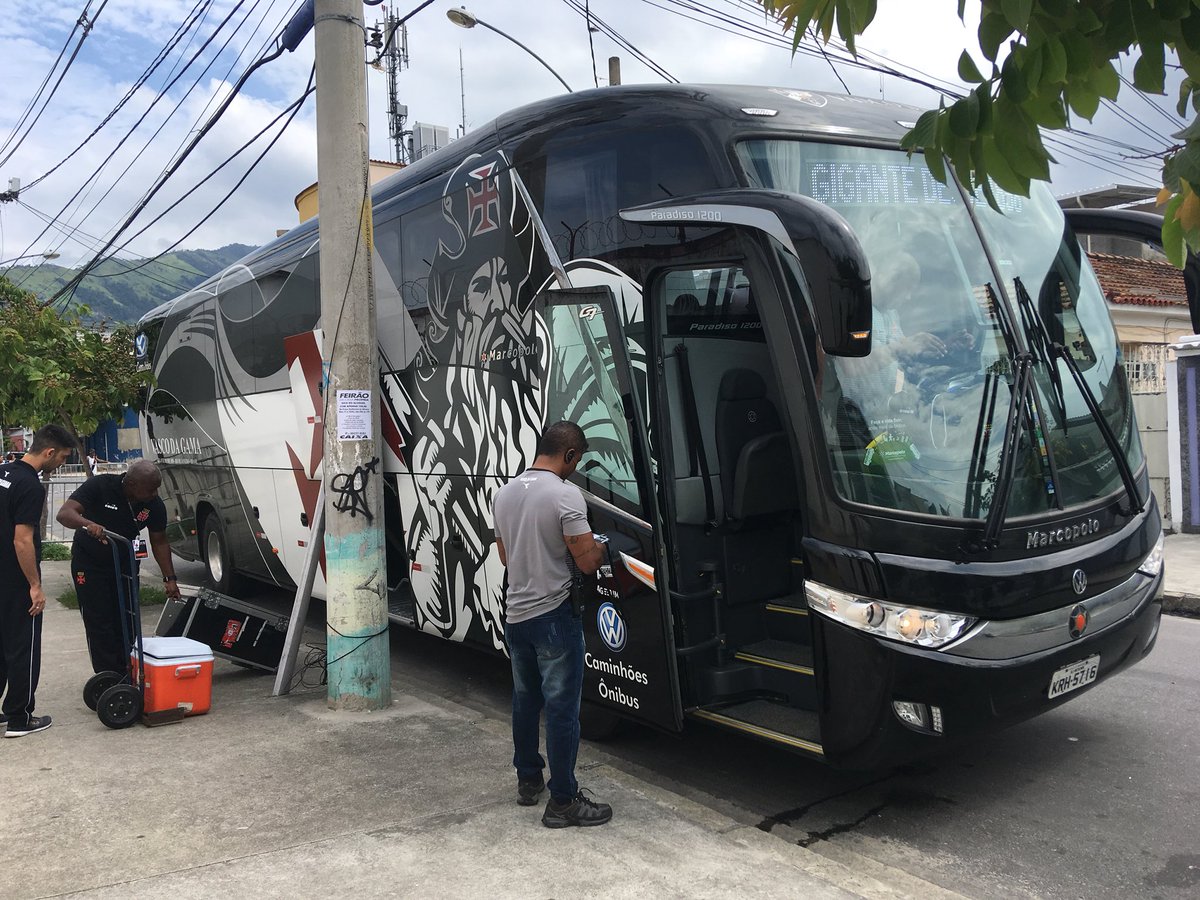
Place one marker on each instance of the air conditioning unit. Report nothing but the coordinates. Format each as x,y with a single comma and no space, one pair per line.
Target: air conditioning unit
427,138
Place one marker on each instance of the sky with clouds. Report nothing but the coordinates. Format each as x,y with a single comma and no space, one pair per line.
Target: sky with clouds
74,208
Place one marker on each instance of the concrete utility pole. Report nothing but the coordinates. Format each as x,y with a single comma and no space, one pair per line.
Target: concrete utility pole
614,70
359,664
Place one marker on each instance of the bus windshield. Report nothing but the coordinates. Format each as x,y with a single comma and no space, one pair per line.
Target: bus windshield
918,424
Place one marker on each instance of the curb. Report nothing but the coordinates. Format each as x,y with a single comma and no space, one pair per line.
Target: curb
1181,605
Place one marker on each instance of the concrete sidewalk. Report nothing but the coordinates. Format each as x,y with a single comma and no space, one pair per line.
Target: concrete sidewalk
280,797
1181,555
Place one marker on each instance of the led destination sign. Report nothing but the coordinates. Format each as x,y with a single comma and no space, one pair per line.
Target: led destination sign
840,183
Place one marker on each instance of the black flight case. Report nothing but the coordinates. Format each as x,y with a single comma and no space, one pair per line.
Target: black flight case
234,629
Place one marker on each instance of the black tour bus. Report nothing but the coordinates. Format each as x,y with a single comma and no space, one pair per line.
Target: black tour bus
862,444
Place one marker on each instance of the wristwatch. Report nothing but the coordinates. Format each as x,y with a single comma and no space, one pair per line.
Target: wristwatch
167,578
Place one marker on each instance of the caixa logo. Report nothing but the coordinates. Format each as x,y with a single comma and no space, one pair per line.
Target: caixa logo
611,627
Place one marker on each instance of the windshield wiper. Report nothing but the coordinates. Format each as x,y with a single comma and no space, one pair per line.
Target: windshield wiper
1022,385
1136,504
1040,344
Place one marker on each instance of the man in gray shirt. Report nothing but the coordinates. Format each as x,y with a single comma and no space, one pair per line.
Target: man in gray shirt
541,528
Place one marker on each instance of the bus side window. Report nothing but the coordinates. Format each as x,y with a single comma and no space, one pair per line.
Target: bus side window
291,304
581,184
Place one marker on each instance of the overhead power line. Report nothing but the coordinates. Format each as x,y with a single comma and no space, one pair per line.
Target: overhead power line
84,23
91,180
290,38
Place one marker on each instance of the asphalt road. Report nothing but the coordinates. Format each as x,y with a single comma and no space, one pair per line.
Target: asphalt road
1099,799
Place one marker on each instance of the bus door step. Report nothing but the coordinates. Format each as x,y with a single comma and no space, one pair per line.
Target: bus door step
799,729
787,619
787,668
401,609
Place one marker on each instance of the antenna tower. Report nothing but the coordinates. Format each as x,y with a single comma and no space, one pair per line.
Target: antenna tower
396,59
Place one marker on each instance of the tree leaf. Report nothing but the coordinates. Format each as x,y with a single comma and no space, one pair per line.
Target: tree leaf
1016,13
923,134
1012,80
1149,72
964,116
993,30
1054,61
936,164
1172,233
967,70
1189,210
1106,81
1084,101
1001,171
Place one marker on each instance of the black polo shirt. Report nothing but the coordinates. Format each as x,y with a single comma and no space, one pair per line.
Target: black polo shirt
22,497
104,502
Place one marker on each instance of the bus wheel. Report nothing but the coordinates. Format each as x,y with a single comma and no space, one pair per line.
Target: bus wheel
218,566
597,723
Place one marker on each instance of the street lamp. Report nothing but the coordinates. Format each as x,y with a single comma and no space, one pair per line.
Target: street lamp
49,254
464,19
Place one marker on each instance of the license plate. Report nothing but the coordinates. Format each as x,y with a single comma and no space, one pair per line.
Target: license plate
1076,675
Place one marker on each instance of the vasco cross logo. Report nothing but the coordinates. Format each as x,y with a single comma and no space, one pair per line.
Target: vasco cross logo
611,627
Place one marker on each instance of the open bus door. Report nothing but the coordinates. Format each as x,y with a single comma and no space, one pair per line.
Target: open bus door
630,661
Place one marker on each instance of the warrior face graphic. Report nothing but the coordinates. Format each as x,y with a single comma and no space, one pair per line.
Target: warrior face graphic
476,403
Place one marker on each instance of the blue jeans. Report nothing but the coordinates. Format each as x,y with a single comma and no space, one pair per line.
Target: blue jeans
547,664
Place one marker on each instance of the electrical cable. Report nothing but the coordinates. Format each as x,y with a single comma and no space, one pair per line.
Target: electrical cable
836,73
141,80
291,111
45,81
87,29
173,167
622,42
149,142
91,180
93,242
591,44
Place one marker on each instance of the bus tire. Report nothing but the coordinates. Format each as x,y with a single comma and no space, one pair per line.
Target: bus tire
597,723
218,561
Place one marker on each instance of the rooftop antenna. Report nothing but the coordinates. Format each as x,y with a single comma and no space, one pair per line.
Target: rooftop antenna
396,58
462,87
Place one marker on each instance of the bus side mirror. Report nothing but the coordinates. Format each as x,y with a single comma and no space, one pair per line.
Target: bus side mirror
831,259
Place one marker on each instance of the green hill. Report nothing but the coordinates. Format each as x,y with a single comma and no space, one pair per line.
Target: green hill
122,290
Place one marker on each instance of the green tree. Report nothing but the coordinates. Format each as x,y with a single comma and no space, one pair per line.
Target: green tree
57,368
1050,61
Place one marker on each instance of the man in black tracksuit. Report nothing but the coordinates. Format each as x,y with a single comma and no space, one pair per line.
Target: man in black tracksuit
123,504
22,600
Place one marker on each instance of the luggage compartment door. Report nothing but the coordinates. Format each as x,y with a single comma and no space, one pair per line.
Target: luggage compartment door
630,662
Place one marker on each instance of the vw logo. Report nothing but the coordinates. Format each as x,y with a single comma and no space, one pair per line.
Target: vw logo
1079,581
611,627
141,344
1078,622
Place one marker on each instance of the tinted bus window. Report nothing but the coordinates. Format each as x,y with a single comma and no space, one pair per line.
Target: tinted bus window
584,183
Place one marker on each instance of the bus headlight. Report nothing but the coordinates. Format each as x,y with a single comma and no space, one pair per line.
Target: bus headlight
909,624
1153,563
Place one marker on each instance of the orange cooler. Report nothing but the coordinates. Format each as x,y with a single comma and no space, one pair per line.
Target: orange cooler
178,675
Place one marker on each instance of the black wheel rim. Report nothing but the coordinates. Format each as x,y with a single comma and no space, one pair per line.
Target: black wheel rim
120,705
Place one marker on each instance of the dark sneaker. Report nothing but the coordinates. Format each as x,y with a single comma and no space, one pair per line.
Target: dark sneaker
528,790
580,811
37,723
